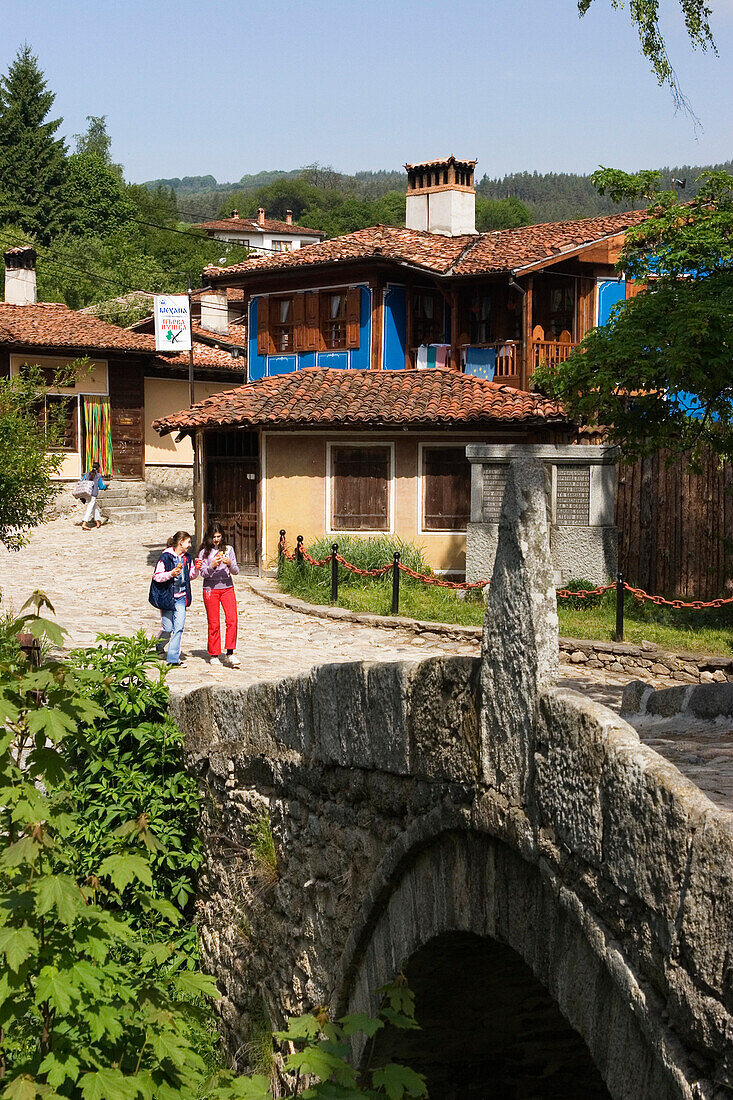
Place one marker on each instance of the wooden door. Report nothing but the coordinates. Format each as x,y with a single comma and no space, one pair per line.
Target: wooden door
232,491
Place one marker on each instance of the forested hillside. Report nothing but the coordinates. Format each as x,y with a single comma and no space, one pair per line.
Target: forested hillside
544,196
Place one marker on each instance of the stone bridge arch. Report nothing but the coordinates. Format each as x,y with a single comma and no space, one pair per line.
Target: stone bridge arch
458,883
397,793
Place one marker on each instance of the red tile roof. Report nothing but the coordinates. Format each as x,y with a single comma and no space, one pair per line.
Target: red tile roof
317,397
51,325
205,357
499,250
236,336
48,324
252,225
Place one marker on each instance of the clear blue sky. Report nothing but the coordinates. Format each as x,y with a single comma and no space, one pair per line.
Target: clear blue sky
230,87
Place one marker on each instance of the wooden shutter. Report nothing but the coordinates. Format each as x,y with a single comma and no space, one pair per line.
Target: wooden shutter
446,489
586,306
299,332
310,323
353,316
265,345
360,479
634,287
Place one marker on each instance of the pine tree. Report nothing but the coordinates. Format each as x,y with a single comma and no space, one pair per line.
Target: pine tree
32,159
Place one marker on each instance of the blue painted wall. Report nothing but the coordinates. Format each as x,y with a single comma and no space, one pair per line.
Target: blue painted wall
610,291
395,327
266,366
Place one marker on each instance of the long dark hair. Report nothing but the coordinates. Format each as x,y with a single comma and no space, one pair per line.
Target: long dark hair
208,543
179,536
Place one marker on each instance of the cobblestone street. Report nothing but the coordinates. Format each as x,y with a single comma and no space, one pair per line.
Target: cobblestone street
98,583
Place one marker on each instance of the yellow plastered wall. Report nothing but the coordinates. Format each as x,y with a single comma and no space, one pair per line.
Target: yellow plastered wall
163,397
295,496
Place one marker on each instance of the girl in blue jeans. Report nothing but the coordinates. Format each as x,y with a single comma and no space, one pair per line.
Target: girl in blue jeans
170,592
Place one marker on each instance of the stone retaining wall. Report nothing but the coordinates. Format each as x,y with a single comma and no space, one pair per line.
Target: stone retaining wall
647,659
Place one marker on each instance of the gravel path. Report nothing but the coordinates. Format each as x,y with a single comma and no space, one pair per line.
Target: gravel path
98,583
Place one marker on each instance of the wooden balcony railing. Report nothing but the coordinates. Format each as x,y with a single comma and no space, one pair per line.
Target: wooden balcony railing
549,352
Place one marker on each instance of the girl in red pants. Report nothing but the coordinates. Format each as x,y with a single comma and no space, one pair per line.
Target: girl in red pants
219,563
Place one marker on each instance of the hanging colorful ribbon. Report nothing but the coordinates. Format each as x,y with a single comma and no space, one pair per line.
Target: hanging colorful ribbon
98,432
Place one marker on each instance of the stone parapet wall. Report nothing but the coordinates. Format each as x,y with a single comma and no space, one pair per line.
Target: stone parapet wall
647,660
408,801
169,483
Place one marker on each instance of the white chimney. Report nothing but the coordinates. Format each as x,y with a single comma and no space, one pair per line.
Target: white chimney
235,215
288,217
20,276
261,215
215,312
441,197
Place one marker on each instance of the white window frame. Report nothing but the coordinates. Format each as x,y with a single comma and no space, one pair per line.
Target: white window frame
422,446
389,530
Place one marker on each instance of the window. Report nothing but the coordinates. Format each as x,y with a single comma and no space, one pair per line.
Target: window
360,482
282,323
480,320
333,319
58,416
282,246
316,320
446,489
428,317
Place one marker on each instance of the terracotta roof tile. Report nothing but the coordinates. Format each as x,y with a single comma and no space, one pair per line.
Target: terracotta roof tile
428,250
236,336
48,324
317,397
204,357
51,325
252,225
499,250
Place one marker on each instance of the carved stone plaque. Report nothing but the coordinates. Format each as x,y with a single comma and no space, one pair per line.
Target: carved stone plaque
572,507
493,492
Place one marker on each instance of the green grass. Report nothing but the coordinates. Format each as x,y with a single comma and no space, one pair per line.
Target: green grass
709,631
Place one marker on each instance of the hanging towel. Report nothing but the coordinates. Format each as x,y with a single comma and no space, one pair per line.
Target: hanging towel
432,355
481,362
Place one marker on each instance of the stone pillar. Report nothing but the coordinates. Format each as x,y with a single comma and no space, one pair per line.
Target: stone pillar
520,640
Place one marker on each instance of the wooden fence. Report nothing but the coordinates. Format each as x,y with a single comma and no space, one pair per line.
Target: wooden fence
676,528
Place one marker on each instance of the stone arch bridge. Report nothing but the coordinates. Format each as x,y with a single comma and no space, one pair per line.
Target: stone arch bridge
560,896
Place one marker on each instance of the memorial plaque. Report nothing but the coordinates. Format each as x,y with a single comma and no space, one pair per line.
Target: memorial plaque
493,492
572,500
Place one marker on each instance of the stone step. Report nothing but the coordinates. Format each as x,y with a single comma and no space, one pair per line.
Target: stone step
130,515
123,496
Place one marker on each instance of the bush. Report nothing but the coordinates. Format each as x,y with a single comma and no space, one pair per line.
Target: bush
582,603
365,552
127,771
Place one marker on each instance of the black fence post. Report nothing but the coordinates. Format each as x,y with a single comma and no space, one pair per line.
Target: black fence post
396,583
280,545
334,574
299,550
619,607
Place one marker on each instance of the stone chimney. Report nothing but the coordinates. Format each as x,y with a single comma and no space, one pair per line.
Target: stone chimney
20,276
235,215
261,215
441,197
215,312
288,217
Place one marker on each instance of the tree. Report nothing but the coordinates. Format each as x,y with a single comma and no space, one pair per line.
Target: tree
32,160
660,373
95,139
645,17
501,214
30,424
94,196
